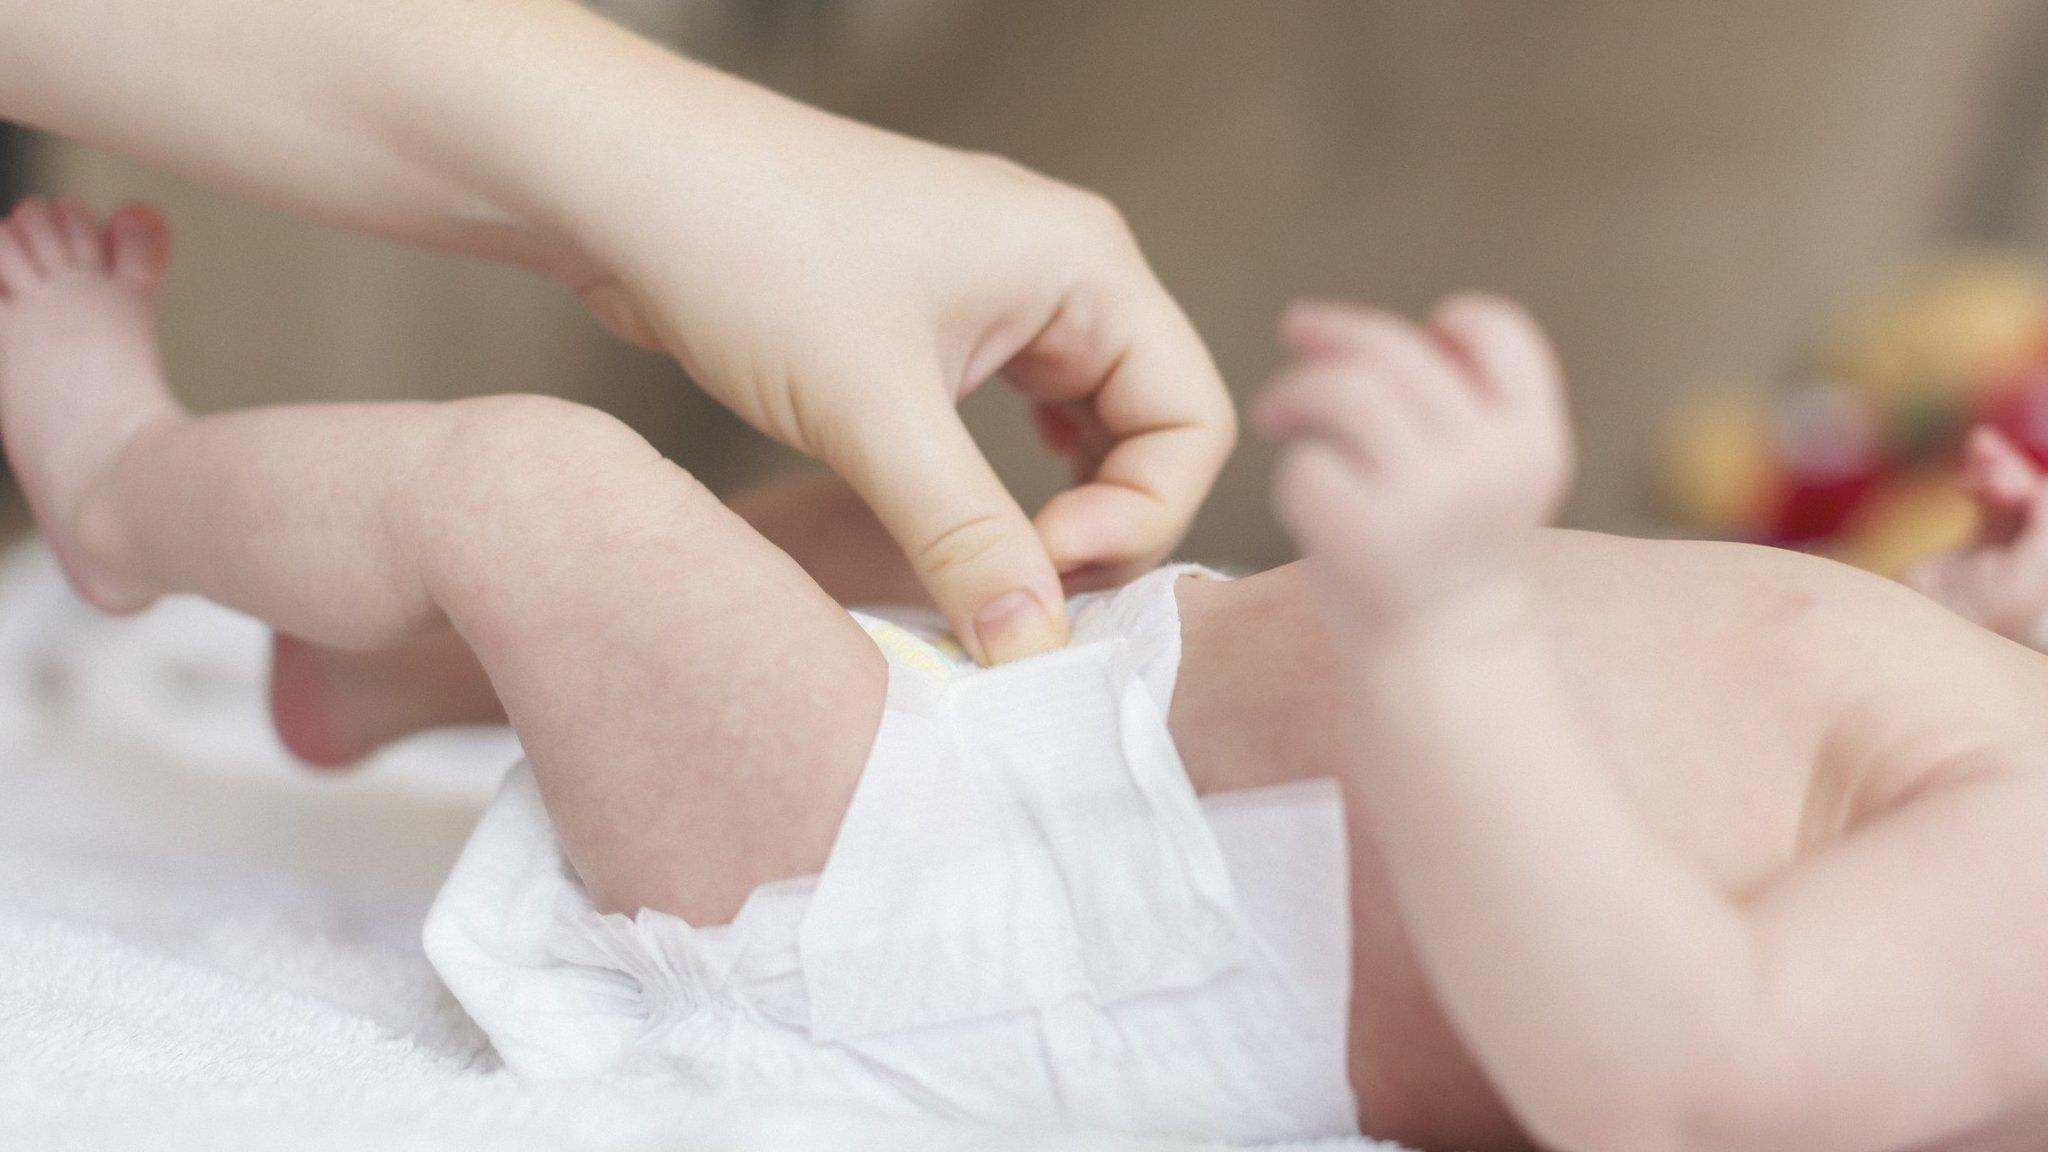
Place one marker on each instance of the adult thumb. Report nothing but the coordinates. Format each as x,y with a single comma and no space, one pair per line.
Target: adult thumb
971,545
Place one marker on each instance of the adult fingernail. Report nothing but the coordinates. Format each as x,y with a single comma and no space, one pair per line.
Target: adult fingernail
1013,626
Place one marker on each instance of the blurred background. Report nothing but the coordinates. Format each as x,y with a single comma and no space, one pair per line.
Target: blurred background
1713,207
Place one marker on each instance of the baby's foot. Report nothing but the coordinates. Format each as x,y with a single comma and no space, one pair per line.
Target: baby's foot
1418,459
333,708
79,371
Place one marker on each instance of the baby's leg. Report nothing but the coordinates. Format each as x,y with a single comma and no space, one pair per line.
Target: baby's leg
334,707
696,709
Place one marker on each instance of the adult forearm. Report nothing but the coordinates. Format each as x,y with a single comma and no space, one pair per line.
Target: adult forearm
1603,983
409,119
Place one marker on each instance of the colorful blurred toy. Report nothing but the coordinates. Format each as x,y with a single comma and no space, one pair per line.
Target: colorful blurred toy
1861,465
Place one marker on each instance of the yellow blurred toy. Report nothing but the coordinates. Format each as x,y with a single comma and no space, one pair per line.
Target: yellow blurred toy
1858,467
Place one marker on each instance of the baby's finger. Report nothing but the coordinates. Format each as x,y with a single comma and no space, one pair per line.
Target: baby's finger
1315,329
1412,362
1504,348
1348,406
80,231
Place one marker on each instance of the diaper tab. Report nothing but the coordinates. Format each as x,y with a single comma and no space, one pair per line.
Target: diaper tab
1022,836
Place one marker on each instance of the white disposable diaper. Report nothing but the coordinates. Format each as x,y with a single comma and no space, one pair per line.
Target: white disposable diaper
1027,918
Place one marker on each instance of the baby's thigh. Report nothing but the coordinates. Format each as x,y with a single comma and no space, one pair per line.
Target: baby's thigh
696,709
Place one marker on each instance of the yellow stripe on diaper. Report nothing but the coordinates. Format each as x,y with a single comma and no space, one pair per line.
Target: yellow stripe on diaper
940,658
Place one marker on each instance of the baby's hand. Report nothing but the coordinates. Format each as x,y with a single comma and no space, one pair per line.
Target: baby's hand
2001,580
1418,459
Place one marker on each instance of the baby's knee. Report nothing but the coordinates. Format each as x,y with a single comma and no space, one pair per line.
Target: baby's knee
537,458
496,438
516,480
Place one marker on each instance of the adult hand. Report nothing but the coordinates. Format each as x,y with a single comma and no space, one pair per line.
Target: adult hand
841,289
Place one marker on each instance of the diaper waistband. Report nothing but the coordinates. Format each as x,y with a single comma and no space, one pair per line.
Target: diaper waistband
1144,614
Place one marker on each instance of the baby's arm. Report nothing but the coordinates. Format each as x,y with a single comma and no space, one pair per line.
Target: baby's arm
1883,995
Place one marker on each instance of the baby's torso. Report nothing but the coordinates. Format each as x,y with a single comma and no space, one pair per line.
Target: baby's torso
1753,705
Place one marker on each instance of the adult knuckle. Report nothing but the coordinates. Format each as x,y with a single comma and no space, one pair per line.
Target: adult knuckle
1003,168
1223,426
963,544
1098,218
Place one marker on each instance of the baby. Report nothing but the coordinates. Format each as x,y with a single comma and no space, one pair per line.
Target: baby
1631,845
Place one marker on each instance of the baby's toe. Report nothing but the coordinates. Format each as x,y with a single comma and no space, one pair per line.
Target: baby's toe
81,234
1334,329
26,240
139,246
17,272
35,225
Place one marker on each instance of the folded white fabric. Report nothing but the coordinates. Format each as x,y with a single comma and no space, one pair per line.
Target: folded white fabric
1027,918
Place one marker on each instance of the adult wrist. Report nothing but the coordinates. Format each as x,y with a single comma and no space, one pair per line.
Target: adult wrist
521,112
